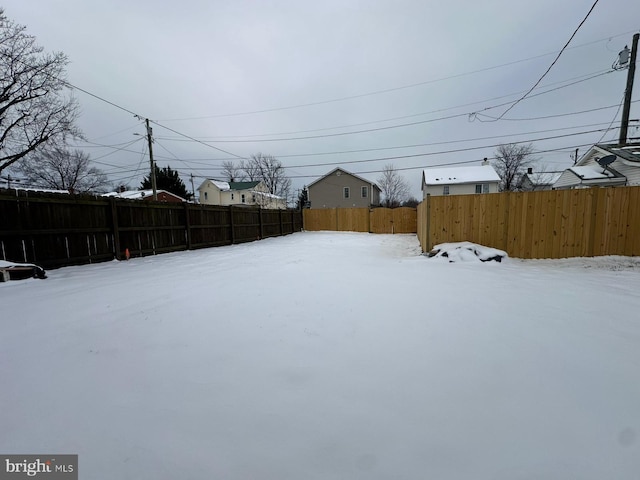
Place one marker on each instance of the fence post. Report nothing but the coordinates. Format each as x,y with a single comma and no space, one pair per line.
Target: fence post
261,221
280,217
293,221
115,231
187,222
233,233
428,223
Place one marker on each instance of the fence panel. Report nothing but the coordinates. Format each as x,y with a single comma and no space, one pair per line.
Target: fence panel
320,219
353,219
58,229
544,224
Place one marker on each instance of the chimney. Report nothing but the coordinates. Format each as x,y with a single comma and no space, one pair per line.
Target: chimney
485,161
530,170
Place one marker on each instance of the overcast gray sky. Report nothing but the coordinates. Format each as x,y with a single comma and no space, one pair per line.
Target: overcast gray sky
294,79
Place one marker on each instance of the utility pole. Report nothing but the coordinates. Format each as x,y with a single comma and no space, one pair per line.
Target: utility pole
627,93
153,165
193,189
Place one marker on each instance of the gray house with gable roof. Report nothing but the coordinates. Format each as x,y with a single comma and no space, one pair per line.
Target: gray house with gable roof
342,189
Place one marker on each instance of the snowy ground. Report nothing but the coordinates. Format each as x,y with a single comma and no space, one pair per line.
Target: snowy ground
326,356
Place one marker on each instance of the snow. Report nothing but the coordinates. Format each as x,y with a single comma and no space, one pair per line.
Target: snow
456,175
327,356
466,252
132,194
591,173
224,186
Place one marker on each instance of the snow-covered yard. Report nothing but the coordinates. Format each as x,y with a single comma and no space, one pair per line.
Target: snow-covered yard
326,356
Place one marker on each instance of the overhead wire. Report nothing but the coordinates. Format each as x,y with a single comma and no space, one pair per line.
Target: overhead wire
383,91
388,127
415,145
585,77
440,152
554,61
613,119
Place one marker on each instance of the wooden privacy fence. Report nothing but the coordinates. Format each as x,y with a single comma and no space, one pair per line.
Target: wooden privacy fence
545,224
376,220
54,230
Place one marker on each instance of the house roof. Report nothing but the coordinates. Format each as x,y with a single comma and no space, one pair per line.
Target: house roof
242,185
458,175
543,178
226,186
139,194
629,152
369,182
591,173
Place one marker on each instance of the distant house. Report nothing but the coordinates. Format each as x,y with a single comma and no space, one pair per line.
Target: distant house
624,169
340,188
459,180
216,192
147,195
535,181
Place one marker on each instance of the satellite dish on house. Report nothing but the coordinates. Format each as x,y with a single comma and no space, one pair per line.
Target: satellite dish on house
604,162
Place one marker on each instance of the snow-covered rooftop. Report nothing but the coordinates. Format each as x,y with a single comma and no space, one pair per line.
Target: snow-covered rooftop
455,175
591,173
221,185
543,178
131,194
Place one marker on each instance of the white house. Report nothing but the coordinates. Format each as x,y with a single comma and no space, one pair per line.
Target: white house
459,180
624,169
216,192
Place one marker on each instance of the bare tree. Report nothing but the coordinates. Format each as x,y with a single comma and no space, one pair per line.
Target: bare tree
511,162
250,170
36,108
62,169
269,170
540,178
231,172
395,189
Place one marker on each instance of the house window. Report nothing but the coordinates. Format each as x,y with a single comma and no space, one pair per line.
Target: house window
364,192
485,188
206,195
242,198
232,196
478,188
346,192
445,190
253,198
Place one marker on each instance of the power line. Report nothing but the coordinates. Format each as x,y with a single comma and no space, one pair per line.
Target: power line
441,152
389,127
196,140
396,147
545,117
585,77
388,90
554,61
420,167
613,119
